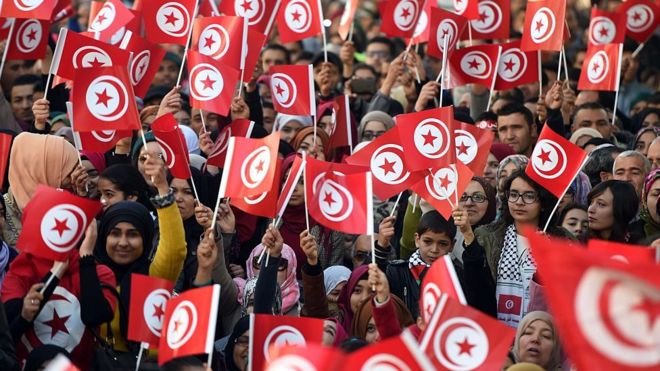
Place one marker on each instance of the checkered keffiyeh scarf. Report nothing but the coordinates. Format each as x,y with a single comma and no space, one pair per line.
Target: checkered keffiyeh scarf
510,280
415,260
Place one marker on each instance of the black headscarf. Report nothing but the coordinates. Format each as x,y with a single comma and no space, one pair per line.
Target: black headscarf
491,194
241,326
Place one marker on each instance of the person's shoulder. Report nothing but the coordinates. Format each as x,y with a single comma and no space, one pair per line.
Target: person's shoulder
490,228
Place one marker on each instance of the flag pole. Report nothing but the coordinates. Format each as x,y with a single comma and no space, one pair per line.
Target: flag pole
492,84
638,50
561,52
201,114
396,203
435,183
547,223
618,82
243,55
415,199
185,50
540,74
470,32
305,190
565,63
139,357
4,53
350,31
325,42
441,75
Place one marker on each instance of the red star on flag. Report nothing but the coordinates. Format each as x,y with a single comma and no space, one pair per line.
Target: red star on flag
296,15
596,67
444,181
405,13
544,156
159,312
474,64
388,167
96,63
637,17
651,309
279,90
328,199
603,31
508,66
177,323
57,323
208,83
246,5
32,35
101,18
171,19
260,166
482,17
539,25
208,42
103,98
462,149
429,138
466,347
60,226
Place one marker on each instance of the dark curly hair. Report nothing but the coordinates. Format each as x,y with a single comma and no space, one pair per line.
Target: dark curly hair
624,207
547,199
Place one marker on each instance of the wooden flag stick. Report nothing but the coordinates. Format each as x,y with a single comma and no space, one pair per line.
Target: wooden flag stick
492,84
201,115
441,75
305,191
638,50
618,82
540,75
563,55
435,182
350,31
4,53
185,50
547,223
561,52
396,204
139,357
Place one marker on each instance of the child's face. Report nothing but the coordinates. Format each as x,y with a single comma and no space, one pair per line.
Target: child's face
433,245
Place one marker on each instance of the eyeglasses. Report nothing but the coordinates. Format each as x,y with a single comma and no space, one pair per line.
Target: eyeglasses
362,255
527,197
378,54
371,135
242,341
477,198
284,264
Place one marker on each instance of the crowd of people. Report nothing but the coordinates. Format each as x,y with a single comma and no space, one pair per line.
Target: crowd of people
153,224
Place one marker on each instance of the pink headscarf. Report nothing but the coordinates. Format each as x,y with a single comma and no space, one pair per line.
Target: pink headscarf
289,288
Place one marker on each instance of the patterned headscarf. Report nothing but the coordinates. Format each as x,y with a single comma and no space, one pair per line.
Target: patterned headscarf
248,290
651,226
580,188
290,289
519,160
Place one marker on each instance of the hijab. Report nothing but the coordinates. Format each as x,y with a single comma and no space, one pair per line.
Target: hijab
333,276
491,196
289,288
365,312
248,290
293,217
282,119
359,273
555,357
39,159
651,227
192,141
519,160
379,116
322,136
240,327
97,159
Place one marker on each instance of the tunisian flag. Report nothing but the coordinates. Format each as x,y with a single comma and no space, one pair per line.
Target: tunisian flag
474,65
444,24
237,128
602,69
347,17
493,21
395,353
250,166
290,183
299,19
267,333
168,22
146,60
342,132
28,9
99,141
459,337
292,89
173,144
606,310
516,67
189,325
622,252
112,16
149,297
472,146
264,204
440,279
54,222
467,8
384,156
442,186
339,197
212,84
554,162
427,137
544,25
103,99
607,27
29,39
75,51
221,38
309,357
5,147
260,14
400,17
641,18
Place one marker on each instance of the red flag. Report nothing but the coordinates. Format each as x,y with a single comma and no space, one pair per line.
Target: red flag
395,353
134,26
189,325
29,40
341,120
267,332
104,100
467,8
112,16
602,68
544,25
4,29
208,8
292,89
28,9
384,156
459,337
253,46
75,51
493,20
5,147
554,162
625,253
168,22
290,184
264,204
260,13
175,152
443,186
220,38
473,146
641,18
54,221
440,279
607,27
516,67
423,28
474,65
250,166
605,311
299,19
311,357
426,138
212,84
146,60
149,297
339,200
400,17
61,363
444,24
95,141
237,128
347,17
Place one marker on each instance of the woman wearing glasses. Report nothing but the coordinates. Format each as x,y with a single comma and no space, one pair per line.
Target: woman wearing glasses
498,267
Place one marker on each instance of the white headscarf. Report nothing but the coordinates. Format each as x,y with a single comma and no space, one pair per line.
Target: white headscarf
192,141
333,276
282,119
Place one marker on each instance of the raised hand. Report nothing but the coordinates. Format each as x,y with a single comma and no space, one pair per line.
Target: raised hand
386,231
41,111
171,102
272,240
309,247
378,282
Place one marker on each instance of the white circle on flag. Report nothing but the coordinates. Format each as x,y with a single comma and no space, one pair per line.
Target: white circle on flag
168,153
598,67
173,19
476,64
182,324
549,159
449,29
640,17
27,5
490,17
282,335
255,166
466,146
405,13
107,98
283,89
214,41
90,56
460,6
207,82
62,226
29,36
442,184
253,10
601,30
335,201
431,138
140,66
513,64
387,164
104,18
543,25
460,344
154,310
298,16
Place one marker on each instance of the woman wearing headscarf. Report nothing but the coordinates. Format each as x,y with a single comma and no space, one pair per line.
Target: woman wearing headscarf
35,159
126,235
93,163
192,140
373,125
537,342
577,191
650,196
304,141
498,152
288,125
644,138
237,349
507,166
